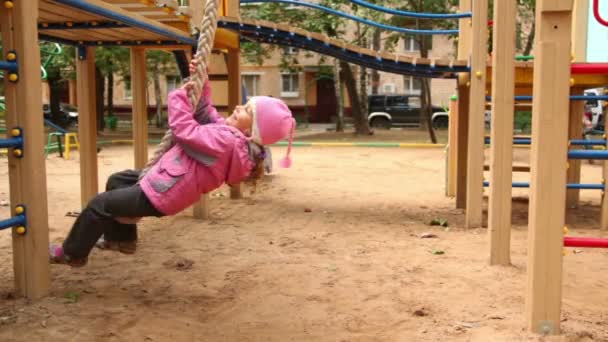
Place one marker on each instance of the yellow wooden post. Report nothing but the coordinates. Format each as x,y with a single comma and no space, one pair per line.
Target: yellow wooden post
87,123
450,189
477,108
462,123
548,157
604,213
234,97
580,23
575,129
501,136
140,106
27,175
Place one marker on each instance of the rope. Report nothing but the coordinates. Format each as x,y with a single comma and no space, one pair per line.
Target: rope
199,78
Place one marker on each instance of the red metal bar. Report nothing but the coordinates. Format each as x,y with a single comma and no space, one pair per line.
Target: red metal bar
596,13
570,241
589,68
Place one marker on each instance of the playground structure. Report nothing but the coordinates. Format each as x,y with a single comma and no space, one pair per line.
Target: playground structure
164,25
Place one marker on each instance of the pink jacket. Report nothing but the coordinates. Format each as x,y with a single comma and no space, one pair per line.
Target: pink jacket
203,158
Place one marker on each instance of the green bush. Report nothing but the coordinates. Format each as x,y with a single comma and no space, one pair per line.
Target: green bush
523,121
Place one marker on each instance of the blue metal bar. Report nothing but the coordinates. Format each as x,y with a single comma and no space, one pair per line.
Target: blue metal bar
412,14
572,97
8,66
11,142
91,8
583,142
568,186
351,17
573,142
18,220
588,154
81,25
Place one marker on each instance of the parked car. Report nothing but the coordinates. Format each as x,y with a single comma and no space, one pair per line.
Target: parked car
595,109
386,111
442,119
68,114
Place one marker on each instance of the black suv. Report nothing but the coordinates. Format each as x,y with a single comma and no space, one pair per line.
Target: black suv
395,110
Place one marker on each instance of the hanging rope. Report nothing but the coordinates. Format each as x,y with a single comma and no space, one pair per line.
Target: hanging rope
199,78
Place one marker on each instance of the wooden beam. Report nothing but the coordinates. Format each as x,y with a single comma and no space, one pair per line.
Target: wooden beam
450,188
501,135
462,138
462,123
473,218
575,129
234,97
140,106
548,158
27,175
87,123
580,24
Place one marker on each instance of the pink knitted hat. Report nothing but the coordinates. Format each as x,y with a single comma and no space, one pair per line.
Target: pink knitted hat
272,121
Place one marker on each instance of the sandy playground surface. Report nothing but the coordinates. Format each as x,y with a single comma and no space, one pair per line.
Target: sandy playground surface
330,250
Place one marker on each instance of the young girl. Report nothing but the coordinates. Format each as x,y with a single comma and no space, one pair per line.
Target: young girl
205,156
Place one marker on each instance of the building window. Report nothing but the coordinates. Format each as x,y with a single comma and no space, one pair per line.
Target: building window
411,44
128,93
289,85
412,85
251,84
172,82
388,88
290,50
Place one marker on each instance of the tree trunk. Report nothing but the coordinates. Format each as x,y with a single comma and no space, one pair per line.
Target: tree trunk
99,101
530,42
159,101
55,100
375,74
360,118
339,97
110,94
425,93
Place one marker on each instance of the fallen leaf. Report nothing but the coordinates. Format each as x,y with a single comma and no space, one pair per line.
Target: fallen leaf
428,236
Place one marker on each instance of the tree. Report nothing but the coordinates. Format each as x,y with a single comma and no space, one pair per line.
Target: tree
159,63
59,69
424,44
109,61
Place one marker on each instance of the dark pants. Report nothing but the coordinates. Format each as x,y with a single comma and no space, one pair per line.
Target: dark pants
123,198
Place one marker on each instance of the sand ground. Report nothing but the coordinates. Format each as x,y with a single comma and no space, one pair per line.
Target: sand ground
330,250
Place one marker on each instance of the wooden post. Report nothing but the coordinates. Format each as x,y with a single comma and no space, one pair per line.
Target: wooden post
87,123
604,214
462,123
548,161
234,98
473,218
580,24
501,136
27,175
140,106
450,189
575,130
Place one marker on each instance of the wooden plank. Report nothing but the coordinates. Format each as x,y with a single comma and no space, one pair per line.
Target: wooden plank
575,129
462,127
67,11
515,168
453,148
473,218
87,125
548,158
501,135
27,176
234,98
580,24
140,105
50,17
604,210
462,138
